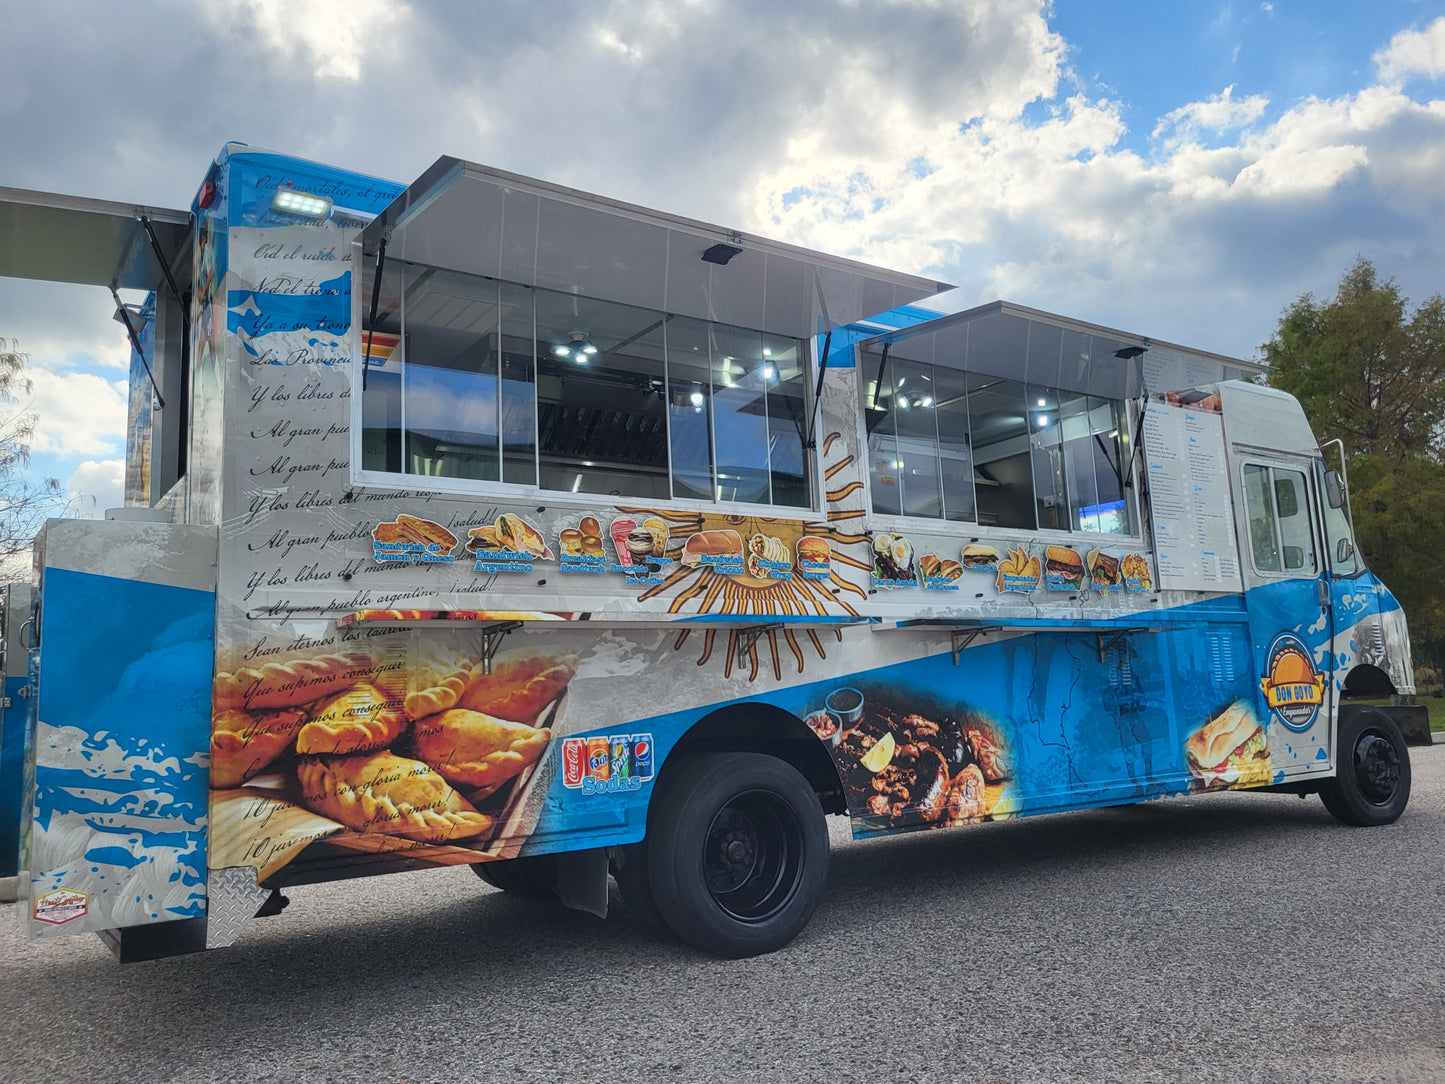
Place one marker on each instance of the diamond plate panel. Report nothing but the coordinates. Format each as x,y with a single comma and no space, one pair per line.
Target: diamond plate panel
233,900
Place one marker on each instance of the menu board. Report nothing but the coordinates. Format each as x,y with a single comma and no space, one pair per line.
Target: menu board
1189,500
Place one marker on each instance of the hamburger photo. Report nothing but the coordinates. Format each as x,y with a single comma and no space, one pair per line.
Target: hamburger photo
980,556
1064,568
1231,750
813,551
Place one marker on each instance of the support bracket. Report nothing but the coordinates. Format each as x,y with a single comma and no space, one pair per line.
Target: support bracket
1106,644
492,636
748,639
963,638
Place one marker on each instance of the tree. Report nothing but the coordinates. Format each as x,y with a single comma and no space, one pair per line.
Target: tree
1372,373
24,502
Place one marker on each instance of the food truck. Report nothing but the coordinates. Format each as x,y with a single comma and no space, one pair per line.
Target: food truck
486,521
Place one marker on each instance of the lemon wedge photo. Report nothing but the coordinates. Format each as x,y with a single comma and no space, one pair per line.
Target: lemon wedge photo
877,758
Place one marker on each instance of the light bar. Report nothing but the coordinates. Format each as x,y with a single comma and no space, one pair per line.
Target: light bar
301,203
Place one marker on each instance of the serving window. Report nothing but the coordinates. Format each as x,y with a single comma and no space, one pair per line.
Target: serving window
485,380
1001,421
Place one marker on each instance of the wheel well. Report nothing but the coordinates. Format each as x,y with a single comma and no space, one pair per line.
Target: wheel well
762,728
1367,680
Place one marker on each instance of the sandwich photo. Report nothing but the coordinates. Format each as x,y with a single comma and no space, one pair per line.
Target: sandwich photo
1064,568
410,529
1231,750
725,545
1104,571
979,556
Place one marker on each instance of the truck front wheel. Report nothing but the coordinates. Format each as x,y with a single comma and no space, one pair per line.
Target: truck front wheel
1372,780
737,852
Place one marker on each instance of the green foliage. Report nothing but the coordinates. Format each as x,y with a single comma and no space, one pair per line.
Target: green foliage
1371,372
1363,368
24,502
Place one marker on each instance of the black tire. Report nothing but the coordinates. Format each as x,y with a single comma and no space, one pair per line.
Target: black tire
1372,781
533,877
737,852
633,880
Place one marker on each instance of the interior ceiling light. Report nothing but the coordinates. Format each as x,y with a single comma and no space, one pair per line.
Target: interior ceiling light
301,203
697,398
579,348
720,253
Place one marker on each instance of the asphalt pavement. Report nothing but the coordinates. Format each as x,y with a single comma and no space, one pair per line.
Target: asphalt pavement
1238,937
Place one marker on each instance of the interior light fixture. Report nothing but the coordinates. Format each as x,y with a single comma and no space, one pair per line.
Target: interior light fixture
1043,403
926,401
769,371
578,347
697,398
1043,421
292,202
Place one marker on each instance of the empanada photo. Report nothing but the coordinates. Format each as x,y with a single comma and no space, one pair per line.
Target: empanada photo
357,721
473,749
519,686
390,795
436,686
244,742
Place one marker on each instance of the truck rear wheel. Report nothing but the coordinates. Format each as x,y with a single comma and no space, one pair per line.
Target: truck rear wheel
737,853
1372,780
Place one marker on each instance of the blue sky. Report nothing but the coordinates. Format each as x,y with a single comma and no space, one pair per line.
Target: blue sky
1154,57
1178,170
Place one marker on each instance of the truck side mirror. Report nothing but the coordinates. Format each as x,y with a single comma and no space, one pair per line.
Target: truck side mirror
1334,489
1344,551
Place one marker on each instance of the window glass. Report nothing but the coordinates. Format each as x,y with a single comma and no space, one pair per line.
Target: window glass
1046,430
1338,529
954,454
381,425
740,413
881,426
787,386
449,386
472,377
689,374
949,441
1259,506
1291,502
913,398
601,398
519,386
1111,464
1003,471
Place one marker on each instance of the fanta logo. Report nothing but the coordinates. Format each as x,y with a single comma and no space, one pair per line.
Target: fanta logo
1292,687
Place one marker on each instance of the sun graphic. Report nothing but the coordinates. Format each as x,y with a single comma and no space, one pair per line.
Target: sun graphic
750,590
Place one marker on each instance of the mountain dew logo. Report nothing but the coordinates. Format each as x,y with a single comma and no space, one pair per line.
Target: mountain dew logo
1292,686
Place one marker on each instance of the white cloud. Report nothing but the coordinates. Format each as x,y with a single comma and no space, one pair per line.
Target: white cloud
80,413
97,485
333,36
1218,114
1414,52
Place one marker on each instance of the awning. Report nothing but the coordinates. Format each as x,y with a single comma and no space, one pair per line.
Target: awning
55,238
483,221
